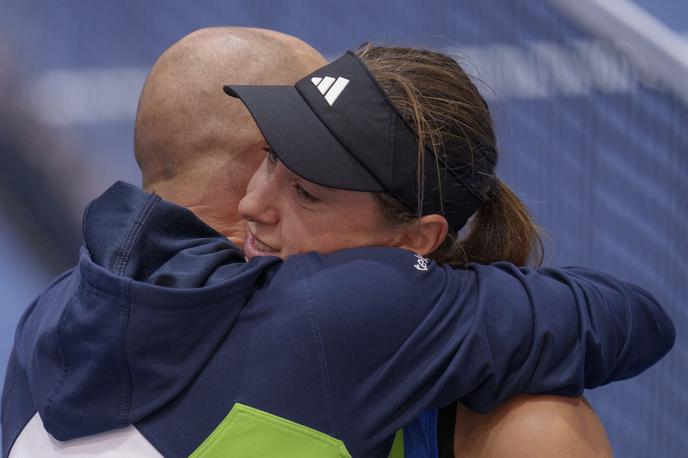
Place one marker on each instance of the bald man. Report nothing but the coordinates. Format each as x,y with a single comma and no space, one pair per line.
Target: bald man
195,147
198,149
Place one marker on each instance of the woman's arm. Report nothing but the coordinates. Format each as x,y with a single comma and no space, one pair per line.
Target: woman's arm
532,427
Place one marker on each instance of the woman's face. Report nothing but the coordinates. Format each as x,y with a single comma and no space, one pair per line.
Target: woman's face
287,215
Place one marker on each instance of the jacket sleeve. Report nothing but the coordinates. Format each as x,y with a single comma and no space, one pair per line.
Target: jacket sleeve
395,334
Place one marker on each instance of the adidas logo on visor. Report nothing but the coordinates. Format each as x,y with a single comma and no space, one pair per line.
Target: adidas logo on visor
330,87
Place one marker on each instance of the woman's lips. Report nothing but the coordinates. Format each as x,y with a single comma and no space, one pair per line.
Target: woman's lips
254,247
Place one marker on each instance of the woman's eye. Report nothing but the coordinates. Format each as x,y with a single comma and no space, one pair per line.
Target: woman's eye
303,194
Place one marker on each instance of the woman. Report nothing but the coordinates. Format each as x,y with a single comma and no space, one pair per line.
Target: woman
407,157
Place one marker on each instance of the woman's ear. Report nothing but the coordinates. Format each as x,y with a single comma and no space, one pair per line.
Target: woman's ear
424,235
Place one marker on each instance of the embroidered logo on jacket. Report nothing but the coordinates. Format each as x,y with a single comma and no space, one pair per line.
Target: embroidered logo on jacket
421,263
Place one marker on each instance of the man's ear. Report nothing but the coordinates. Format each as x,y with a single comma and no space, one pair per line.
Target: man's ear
424,235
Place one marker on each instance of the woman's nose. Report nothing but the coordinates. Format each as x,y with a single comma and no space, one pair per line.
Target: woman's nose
260,204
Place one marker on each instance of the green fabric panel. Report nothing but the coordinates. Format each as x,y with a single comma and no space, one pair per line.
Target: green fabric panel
398,445
251,433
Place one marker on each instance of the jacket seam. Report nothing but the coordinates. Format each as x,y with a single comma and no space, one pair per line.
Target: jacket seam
119,268
125,401
65,367
316,337
122,259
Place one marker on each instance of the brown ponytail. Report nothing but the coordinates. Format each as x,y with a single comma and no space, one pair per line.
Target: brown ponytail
502,230
449,116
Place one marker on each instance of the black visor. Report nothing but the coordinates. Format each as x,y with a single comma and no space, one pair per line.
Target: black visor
337,128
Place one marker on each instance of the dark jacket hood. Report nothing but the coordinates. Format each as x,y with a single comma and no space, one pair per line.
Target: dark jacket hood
109,352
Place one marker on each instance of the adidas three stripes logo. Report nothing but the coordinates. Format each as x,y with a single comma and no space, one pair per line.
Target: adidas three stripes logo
330,87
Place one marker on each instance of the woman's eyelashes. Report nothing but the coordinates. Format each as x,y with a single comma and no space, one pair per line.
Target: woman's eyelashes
303,194
300,191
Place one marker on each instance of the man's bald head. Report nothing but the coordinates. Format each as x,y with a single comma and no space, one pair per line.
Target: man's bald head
195,145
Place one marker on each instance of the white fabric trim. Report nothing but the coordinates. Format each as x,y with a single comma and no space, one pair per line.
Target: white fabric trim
34,441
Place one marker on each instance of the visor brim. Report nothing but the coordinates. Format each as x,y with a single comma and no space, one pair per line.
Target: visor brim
301,141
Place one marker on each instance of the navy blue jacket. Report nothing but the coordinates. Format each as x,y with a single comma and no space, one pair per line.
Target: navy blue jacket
163,325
